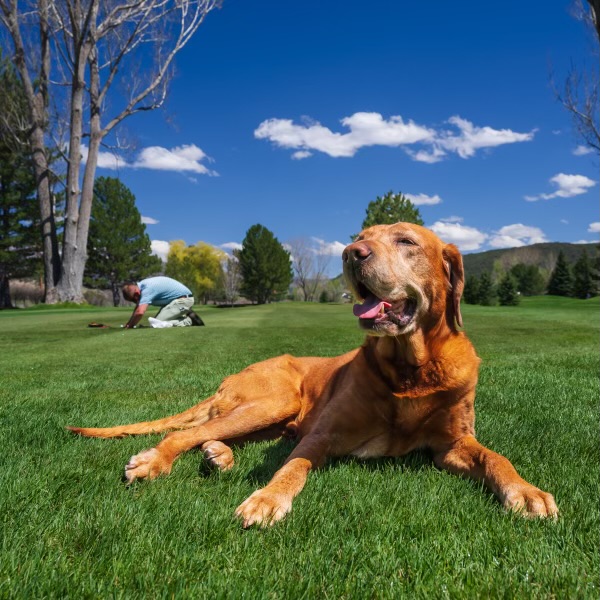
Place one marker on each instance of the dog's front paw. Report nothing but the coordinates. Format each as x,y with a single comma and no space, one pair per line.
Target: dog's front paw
530,501
218,455
148,464
263,508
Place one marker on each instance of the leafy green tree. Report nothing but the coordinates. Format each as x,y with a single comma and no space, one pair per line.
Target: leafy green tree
265,266
118,245
507,291
391,208
584,285
561,280
198,266
471,292
20,239
487,293
529,279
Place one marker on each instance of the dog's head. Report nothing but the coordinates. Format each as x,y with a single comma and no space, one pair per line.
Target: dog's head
406,278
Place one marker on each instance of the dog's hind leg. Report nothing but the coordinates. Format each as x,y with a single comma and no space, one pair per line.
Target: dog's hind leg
246,418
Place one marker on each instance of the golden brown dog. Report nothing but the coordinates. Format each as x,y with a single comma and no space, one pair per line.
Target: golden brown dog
410,385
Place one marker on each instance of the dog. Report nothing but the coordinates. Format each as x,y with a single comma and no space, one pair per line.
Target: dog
410,385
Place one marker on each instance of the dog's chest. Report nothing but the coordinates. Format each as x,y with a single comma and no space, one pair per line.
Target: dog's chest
403,427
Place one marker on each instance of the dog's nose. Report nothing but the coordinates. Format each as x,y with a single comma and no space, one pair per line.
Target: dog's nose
358,251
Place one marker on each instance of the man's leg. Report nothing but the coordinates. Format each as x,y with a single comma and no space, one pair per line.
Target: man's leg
176,312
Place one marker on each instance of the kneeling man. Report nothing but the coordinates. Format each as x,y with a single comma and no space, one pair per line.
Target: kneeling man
174,298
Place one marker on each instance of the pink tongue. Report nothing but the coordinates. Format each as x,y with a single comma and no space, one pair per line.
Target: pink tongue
370,308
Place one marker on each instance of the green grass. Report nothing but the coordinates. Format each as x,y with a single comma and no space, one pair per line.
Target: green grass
373,529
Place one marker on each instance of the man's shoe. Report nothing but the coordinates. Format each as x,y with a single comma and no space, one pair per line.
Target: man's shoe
196,320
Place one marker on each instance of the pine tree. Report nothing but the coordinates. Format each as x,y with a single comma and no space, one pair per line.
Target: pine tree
265,266
529,280
561,280
487,294
20,240
471,293
391,208
507,291
584,285
118,245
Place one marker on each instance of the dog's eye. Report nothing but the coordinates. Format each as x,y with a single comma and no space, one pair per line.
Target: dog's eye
405,242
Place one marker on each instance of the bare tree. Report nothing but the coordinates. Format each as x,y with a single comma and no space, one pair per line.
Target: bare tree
580,95
310,264
232,279
91,47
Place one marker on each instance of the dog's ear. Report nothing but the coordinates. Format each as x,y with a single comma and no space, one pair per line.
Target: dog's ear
456,275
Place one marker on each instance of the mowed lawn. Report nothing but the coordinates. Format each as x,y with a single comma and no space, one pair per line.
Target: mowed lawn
374,529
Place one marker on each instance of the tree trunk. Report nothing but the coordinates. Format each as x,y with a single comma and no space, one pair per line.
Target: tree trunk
70,287
52,261
116,292
5,292
37,99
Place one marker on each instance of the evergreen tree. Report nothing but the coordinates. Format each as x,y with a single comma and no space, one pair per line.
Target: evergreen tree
584,285
487,293
198,266
20,240
561,280
118,245
529,280
507,291
265,266
391,208
471,292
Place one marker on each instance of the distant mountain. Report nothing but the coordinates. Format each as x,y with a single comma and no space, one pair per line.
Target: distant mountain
542,255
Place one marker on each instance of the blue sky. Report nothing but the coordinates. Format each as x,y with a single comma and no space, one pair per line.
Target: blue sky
296,114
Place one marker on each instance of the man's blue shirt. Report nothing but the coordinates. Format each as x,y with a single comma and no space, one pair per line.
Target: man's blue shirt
160,291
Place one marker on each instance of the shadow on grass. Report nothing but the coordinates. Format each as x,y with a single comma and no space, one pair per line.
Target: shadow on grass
276,453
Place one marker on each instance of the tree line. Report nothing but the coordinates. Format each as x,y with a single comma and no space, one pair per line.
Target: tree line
577,280
74,78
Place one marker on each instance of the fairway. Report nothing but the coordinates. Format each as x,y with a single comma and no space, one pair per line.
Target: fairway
360,529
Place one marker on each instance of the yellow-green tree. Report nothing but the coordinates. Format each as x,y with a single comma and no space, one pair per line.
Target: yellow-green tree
198,267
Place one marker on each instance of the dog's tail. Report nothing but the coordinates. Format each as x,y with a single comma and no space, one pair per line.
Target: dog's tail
193,417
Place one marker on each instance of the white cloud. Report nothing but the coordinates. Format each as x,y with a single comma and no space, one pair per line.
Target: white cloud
185,158
585,242
182,159
329,248
149,220
436,155
564,221
160,248
452,219
466,238
422,199
301,154
594,227
582,150
231,246
472,138
371,129
568,186
366,129
516,235
106,160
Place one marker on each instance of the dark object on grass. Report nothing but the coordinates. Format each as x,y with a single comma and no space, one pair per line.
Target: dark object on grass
98,325
196,320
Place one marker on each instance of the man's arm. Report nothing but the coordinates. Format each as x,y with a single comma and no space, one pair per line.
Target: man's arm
136,316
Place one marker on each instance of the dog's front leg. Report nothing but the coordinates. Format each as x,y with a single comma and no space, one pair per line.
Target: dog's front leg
468,457
271,503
